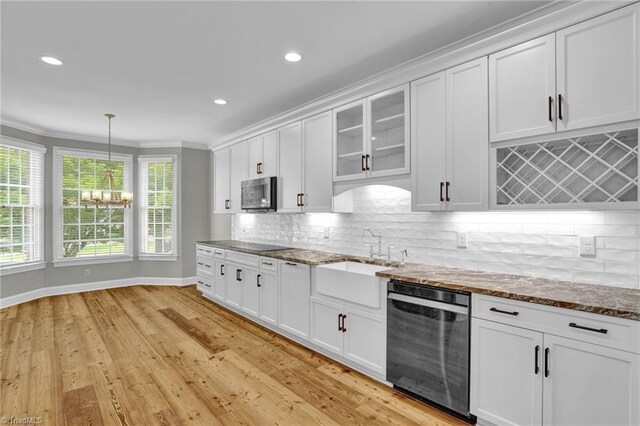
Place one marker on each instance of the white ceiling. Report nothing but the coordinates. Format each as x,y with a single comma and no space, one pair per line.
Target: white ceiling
159,65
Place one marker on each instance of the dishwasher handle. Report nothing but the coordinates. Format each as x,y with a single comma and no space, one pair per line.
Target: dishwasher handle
428,303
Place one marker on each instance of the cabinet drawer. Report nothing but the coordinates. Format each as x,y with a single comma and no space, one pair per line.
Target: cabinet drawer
204,251
268,264
204,264
205,282
243,258
603,330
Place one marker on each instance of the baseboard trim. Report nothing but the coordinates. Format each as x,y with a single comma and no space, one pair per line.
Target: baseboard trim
98,285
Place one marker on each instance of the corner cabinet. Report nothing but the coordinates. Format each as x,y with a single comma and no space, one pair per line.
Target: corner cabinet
450,148
539,365
371,136
582,76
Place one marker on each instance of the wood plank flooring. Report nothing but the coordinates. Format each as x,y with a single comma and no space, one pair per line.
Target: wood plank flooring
148,355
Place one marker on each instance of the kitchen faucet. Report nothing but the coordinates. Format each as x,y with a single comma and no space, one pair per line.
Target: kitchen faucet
379,237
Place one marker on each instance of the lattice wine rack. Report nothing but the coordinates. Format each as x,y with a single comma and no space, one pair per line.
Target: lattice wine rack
592,169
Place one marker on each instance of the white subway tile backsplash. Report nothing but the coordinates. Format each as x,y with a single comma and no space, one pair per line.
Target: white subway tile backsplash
543,244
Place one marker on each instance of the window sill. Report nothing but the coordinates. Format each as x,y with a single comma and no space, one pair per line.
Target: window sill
158,257
15,269
91,261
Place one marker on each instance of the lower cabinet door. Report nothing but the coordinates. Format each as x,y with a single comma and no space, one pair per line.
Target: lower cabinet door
295,290
269,297
250,292
233,291
506,387
365,340
219,280
588,384
326,325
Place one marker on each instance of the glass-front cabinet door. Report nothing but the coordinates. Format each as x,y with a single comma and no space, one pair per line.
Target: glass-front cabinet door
349,142
388,132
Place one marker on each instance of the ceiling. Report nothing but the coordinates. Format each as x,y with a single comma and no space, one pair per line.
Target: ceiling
159,65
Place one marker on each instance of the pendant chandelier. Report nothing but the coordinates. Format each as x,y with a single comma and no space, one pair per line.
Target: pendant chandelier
106,193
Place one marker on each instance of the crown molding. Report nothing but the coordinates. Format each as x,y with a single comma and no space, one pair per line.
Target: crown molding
543,20
40,131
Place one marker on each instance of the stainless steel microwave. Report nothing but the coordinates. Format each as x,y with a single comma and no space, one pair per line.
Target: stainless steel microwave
259,194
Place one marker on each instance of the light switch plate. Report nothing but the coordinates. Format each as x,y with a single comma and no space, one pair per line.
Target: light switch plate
587,246
462,240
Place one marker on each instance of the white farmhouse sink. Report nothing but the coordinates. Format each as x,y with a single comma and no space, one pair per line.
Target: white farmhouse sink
350,281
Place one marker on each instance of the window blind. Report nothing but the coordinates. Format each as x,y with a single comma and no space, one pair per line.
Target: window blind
158,224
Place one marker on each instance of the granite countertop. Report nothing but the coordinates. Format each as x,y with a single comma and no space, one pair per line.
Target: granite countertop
598,299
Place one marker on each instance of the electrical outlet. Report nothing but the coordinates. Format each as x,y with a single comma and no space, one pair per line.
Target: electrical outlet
326,233
587,246
462,240
87,272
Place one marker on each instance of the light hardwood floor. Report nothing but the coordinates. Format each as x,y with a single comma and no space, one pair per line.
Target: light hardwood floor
165,355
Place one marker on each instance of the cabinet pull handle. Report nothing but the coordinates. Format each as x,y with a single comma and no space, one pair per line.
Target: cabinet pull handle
446,191
267,263
218,252
339,318
221,269
258,280
559,106
362,163
367,161
227,204
290,264
551,108
238,274
536,370
441,186
301,199
259,168
582,327
208,266
207,251
546,362
200,263
500,311
344,328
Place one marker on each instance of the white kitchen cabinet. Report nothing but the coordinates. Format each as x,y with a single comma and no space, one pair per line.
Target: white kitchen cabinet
221,182
506,387
294,294
290,175
219,280
238,173
540,365
590,384
522,88
582,76
326,325
365,339
233,285
461,157
251,291
269,296
371,136
598,70
317,186
429,148
263,155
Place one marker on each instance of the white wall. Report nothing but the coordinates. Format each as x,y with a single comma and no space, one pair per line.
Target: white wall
543,244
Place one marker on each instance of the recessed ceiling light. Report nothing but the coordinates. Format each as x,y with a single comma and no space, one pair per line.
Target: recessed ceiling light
50,60
220,102
292,57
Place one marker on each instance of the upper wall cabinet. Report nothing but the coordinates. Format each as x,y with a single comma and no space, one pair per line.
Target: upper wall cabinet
305,183
221,183
450,139
263,155
583,76
522,83
371,136
237,173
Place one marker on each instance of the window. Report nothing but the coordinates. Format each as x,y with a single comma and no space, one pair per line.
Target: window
21,206
158,201
89,234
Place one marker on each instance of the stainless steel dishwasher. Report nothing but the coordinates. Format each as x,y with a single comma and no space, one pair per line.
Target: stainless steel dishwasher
428,344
